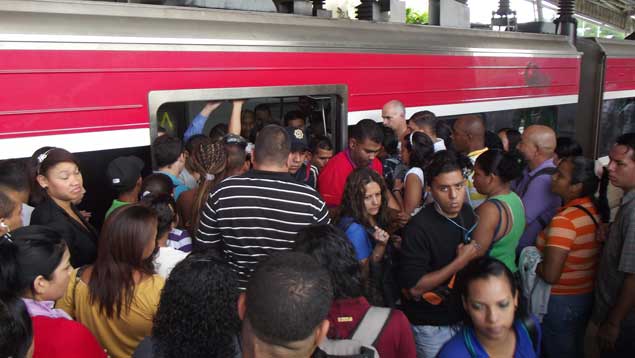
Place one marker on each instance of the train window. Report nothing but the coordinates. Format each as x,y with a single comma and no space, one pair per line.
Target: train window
560,118
618,117
322,107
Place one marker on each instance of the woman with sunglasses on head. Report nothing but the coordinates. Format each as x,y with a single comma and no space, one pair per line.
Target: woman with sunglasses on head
59,177
502,215
35,264
494,324
117,297
416,150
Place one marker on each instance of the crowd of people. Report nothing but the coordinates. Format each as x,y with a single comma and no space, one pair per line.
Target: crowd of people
422,238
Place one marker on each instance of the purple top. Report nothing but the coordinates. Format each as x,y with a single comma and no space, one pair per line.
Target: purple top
44,308
540,203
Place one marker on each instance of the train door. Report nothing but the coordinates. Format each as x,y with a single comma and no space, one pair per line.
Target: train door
323,107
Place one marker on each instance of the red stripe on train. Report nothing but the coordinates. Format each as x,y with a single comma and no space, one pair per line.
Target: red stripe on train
60,90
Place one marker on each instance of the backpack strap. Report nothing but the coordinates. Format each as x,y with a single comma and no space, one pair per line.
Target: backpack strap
371,326
529,326
78,278
543,171
588,213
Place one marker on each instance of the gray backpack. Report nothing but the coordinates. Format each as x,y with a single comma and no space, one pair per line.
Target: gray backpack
361,344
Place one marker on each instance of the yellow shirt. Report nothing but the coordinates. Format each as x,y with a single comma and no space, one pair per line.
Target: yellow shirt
476,198
120,336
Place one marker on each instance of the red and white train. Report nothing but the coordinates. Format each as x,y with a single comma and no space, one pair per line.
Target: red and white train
98,78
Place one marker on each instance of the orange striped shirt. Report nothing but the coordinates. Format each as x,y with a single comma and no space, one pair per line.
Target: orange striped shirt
573,230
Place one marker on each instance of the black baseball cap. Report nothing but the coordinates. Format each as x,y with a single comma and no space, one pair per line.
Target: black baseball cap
298,139
123,172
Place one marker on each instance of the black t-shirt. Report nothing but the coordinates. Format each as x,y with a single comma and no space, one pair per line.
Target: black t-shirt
430,243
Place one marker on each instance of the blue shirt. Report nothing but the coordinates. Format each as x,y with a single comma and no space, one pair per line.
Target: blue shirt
358,236
465,343
179,186
540,203
196,127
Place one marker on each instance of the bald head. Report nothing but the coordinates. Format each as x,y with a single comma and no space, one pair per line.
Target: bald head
469,133
542,137
537,144
394,116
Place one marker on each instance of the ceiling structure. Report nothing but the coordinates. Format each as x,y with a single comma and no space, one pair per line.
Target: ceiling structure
616,13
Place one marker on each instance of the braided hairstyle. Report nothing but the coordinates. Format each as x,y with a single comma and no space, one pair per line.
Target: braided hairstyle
209,160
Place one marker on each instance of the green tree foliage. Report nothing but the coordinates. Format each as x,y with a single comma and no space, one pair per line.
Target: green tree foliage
414,17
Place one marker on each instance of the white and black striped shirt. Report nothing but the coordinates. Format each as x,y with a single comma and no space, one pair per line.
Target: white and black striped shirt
253,215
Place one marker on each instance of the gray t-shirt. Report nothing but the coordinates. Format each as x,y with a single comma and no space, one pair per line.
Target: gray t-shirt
618,259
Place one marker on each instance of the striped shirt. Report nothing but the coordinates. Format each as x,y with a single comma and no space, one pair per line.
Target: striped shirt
573,230
254,215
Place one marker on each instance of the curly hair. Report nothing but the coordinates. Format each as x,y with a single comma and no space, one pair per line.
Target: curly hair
330,247
353,198
209,160
198,310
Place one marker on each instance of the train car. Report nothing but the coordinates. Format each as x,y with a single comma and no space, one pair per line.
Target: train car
607,96
99,79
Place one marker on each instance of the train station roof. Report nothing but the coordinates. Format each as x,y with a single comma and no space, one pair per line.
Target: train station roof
616,13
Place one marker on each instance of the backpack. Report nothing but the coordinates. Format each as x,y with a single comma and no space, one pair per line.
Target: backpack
361,344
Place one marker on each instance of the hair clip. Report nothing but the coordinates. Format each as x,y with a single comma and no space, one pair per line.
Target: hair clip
209,177
146,193
42,157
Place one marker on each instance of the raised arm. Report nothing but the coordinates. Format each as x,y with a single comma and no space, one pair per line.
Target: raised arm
234,126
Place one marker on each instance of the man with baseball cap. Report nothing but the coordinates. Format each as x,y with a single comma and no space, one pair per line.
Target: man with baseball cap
124,176
297,157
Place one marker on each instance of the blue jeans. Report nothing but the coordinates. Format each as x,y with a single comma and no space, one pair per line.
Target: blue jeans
430,339
564,325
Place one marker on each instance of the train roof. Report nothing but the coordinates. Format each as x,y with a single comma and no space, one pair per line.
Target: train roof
107,25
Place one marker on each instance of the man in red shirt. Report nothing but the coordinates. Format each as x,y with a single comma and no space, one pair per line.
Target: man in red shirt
365,142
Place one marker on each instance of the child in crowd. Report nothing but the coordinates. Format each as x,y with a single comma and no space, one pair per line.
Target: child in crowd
124,176
165,208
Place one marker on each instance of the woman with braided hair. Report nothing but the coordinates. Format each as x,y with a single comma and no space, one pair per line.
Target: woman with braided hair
209,161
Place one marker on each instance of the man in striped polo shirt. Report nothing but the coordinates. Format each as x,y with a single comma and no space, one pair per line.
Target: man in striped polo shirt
251,216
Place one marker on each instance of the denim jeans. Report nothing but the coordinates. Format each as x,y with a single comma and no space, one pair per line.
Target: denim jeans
564,325
430,339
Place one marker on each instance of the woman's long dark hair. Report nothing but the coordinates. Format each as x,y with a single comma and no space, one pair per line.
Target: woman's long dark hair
353,198
198,310
123,240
